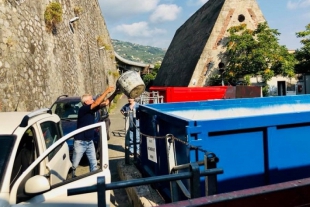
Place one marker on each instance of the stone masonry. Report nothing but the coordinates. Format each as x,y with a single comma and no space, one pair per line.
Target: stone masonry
37,66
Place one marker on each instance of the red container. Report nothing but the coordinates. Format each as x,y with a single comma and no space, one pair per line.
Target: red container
182,94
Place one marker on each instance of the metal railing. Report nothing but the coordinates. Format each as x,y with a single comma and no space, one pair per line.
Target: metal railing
210,182
150,97
101,187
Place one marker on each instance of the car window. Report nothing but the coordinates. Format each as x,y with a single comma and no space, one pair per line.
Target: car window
50,134
25,155
67,110
6,146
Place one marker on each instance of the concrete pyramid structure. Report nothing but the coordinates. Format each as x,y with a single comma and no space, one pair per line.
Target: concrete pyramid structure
196,51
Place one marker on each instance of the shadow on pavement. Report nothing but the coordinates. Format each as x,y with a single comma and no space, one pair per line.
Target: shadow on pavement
116,147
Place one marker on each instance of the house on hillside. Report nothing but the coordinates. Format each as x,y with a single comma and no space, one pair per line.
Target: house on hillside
196,51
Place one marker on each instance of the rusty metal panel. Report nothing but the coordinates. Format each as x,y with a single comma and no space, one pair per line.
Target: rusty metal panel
248,91
293,193
242,92
230,92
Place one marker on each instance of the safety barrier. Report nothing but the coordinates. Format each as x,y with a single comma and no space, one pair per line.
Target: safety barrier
102,187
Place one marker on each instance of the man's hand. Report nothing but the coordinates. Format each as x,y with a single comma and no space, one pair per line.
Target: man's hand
110,89
105,103
101,98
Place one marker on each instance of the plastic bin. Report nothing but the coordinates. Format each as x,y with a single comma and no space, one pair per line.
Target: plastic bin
258,141
179,94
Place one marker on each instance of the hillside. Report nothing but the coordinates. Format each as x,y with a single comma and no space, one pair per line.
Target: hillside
138,53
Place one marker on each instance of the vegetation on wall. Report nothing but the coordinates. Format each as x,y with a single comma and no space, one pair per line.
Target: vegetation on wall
115,74
9,42
113,105
52,16
77,10
102,43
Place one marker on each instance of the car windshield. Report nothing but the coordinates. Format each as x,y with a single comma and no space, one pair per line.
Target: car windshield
6,146
67,110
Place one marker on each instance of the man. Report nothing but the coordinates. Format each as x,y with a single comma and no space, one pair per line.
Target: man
83,142
130,109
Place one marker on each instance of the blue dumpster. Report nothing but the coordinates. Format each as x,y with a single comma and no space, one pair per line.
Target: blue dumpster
258,141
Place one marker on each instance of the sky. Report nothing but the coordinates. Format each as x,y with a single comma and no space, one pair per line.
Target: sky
154,22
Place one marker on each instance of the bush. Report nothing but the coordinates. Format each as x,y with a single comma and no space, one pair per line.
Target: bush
52,15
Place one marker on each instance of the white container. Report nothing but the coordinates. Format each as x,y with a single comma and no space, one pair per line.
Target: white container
131,84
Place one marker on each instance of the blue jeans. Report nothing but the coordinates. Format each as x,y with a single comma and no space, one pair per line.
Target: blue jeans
78,150
129,140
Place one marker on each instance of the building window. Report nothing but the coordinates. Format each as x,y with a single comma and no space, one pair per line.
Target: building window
241,18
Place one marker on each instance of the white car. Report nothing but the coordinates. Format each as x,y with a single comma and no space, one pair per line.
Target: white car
35,164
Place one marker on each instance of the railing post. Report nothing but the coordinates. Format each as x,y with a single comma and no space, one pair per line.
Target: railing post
101,188
134,140
127,140
170,148
174,191
195,180
210,161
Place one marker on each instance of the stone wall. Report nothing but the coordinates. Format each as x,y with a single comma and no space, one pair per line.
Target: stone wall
37,66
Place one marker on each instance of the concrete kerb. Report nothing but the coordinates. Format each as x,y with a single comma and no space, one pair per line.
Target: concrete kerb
139,196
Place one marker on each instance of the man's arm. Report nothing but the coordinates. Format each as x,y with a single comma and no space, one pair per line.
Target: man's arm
101,98
123,110
117,91
105,103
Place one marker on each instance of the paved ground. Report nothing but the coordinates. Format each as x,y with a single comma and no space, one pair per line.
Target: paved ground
140,196
117,152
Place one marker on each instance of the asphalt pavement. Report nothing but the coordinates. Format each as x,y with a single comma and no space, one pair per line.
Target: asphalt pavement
116,146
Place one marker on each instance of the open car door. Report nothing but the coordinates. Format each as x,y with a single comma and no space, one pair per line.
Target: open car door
51,188
59,164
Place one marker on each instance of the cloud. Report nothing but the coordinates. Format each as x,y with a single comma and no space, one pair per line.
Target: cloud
121,8
296,4
139,29
165,12
196,2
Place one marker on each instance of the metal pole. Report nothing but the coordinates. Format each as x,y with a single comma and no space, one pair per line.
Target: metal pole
127,140
134,140
211,180
205,159
101,188
195,180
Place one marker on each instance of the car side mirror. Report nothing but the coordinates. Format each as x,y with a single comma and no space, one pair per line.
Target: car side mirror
37,184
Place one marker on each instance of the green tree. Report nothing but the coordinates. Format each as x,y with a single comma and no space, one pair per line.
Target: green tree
148,78
256,52
303,54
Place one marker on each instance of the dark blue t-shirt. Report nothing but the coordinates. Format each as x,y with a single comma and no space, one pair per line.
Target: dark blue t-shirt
86,117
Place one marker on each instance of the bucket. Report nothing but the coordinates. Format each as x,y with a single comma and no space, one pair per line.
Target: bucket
131,84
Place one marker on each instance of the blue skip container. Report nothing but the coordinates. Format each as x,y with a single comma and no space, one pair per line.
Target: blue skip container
258,141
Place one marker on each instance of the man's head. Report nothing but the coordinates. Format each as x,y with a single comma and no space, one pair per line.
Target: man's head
131,100
87,99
